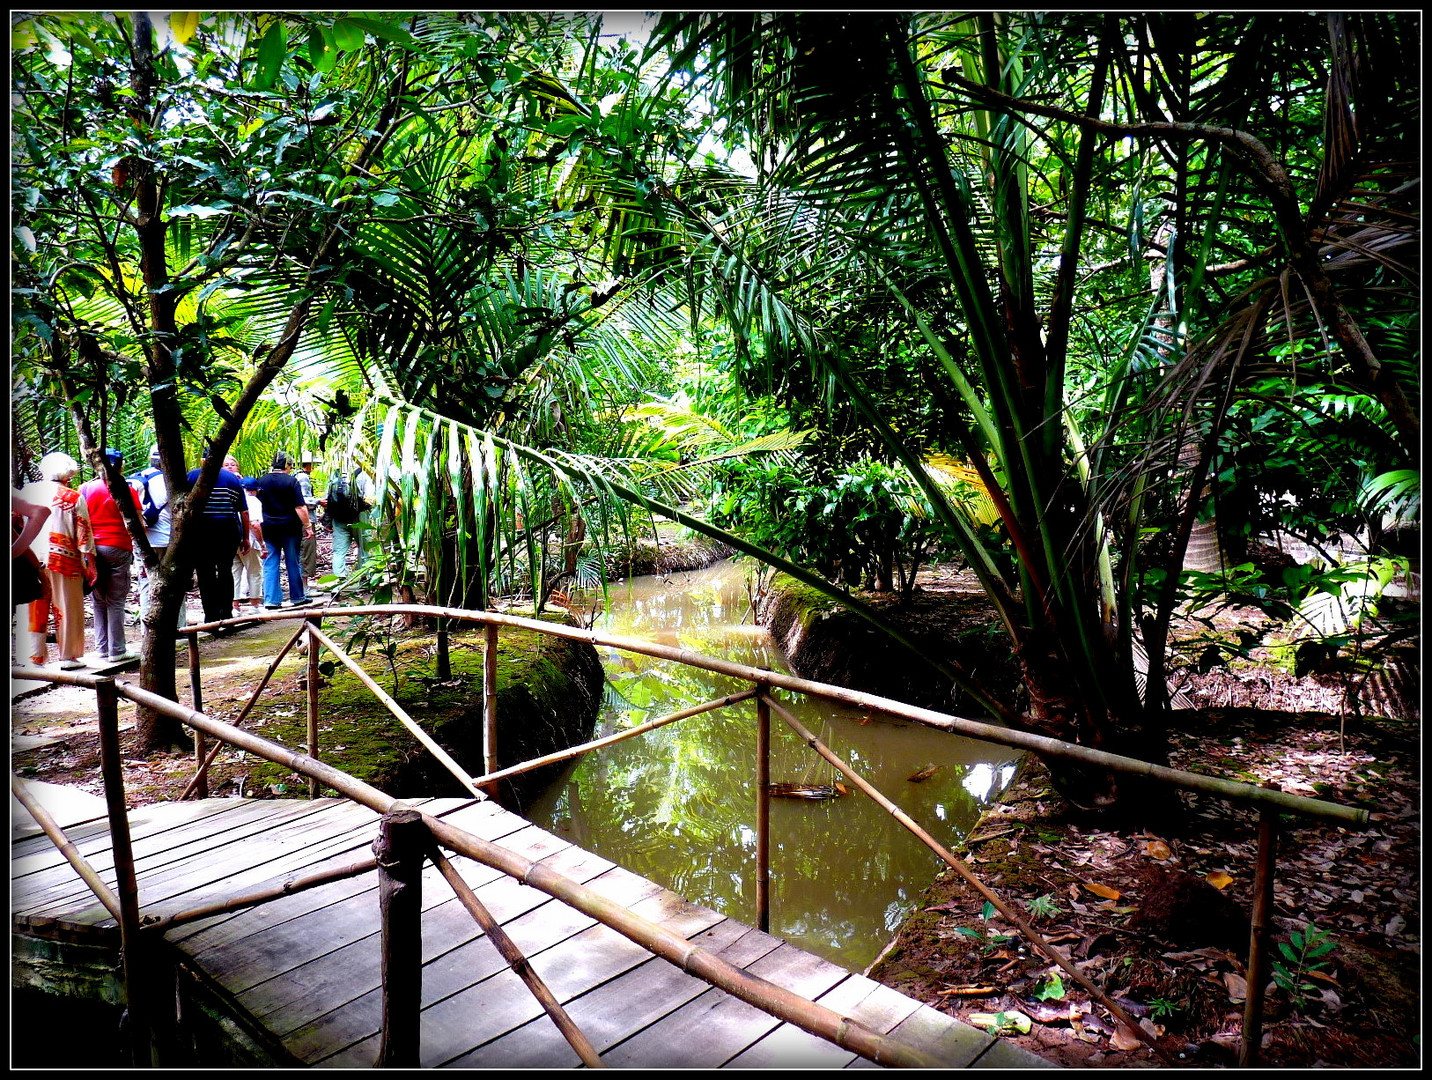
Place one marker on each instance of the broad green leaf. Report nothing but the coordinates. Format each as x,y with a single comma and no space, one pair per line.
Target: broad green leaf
273,48
182,25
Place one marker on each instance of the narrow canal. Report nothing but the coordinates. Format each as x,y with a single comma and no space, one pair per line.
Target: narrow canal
678,804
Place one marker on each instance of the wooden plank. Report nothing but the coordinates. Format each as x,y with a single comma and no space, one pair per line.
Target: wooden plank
237,861
148,828
156,850
454,971
618,1007
715,1027
788,1047
942,1037
350,969
456,1024
480,818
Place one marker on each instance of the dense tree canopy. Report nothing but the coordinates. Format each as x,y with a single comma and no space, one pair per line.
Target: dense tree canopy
1042,290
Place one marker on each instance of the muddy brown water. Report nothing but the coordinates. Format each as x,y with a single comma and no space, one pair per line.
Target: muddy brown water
678,804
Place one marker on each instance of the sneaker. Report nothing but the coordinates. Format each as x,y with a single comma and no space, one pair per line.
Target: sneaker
72,665
302,601
272,607
122,658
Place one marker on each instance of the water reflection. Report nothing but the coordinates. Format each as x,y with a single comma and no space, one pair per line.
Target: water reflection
678,804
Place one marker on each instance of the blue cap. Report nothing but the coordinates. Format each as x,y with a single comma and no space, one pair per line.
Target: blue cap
113,456
249,482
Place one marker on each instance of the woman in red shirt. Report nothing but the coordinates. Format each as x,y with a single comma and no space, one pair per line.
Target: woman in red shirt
115,555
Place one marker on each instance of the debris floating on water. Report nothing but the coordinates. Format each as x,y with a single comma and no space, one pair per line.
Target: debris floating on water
807,791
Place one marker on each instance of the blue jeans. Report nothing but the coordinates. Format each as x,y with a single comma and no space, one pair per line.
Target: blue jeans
346,537
287,548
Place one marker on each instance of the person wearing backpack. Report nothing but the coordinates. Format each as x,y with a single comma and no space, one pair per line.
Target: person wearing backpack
154,504
345,502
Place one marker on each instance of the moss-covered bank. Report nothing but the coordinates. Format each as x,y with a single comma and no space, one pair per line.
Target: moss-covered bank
549,690
827,642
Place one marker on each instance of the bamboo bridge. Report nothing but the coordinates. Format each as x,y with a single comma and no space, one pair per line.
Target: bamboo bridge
363,930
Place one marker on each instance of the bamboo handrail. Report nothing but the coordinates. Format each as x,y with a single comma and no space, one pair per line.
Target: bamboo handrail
783,1004
517,962
397,710
1347,816
958,865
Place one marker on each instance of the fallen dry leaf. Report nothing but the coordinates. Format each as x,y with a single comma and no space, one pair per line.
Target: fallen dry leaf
969,991
1125,1039
924,774
1106,891
1158,849
1237,987
1219,880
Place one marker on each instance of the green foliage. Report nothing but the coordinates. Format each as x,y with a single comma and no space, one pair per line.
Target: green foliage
1050,987
1044,907
1305,952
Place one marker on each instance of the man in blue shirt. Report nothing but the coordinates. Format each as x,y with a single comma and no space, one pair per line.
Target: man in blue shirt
224,532
284,525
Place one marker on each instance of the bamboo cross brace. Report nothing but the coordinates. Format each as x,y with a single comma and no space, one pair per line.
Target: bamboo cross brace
396,709
294,883
518,962
72,855
958,865
608,740
248,706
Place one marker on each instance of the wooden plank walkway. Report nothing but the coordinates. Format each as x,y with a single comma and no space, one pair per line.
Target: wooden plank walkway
304,968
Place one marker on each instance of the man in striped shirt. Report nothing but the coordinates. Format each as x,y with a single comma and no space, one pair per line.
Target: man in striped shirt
223,533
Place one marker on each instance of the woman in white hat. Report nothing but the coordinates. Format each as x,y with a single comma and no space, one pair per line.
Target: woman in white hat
66,551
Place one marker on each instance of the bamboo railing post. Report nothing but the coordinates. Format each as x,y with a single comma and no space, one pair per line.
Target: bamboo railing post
311,692
763,811
125,886
1258,939
196,696
402,843
444,660
489,702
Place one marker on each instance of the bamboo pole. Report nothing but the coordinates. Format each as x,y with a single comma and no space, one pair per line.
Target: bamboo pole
398,850
1252,1039
489,702
397,710
311,694
608,740
196,696
444,660
518,963
72,855
287,887
763,813
248,707
1030,933
1347,816
136,961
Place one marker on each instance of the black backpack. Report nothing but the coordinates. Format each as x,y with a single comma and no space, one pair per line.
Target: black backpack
344,504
